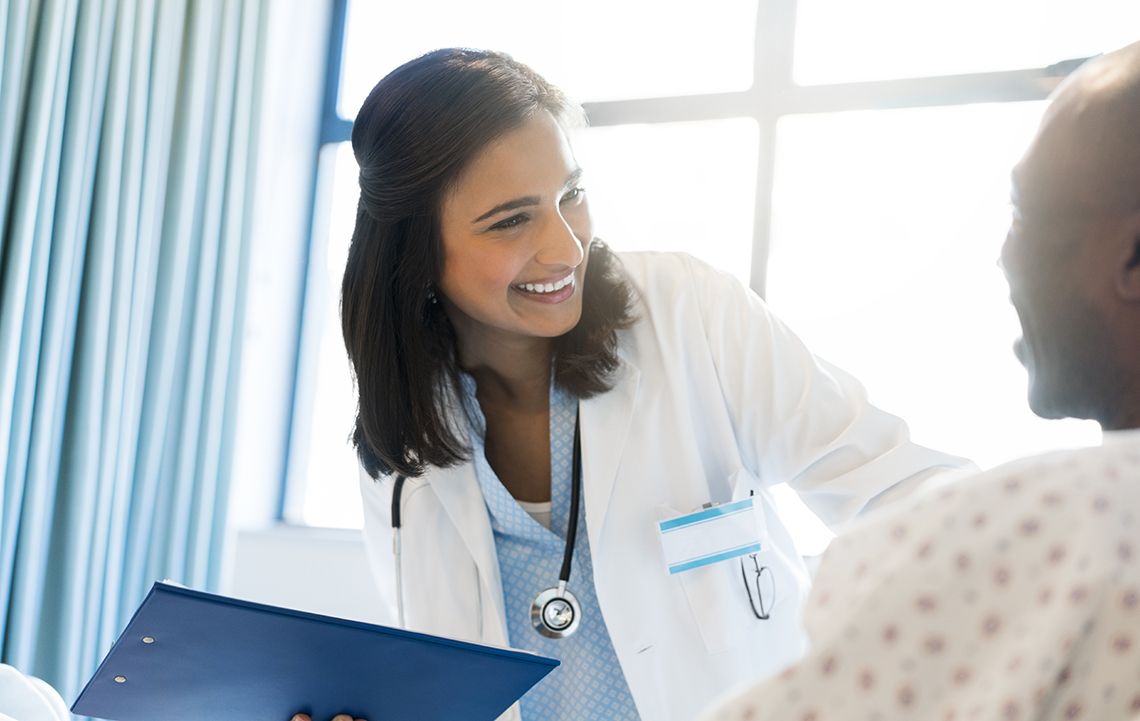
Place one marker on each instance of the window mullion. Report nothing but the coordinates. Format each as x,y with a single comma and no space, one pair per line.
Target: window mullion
771,85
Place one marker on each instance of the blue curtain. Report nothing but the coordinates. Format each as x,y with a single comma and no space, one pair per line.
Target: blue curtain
126,142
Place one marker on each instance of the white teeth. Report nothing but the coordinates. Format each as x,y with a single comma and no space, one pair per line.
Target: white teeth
546,287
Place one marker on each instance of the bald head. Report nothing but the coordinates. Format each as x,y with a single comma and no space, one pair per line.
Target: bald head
1092,127
1072,256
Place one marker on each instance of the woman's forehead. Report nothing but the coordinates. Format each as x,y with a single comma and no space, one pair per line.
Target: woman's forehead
535,157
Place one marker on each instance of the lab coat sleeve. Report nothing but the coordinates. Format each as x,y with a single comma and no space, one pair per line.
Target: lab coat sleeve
799,419
376,495
24,698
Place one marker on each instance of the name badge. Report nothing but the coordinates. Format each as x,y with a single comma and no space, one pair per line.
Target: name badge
711,535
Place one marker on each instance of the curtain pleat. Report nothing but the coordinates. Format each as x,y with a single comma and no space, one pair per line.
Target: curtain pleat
148,127
25,272
198,419
72,213
127,141
222,389
14,68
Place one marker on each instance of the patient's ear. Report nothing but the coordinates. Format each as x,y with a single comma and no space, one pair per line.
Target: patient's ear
1128,275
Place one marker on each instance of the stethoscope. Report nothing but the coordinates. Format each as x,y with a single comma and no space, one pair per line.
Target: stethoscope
555,612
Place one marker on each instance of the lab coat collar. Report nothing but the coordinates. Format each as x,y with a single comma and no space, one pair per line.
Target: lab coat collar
458,491
605,426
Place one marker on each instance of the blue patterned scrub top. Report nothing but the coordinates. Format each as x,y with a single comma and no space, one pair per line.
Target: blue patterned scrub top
589,685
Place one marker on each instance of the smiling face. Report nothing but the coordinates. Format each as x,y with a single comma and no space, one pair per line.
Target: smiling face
515,229
1063,257
1047,265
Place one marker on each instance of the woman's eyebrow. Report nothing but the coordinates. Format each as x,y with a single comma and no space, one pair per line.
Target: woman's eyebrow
573,178
528,200
509,205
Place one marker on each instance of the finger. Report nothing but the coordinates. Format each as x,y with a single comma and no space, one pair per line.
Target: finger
342,717
300,717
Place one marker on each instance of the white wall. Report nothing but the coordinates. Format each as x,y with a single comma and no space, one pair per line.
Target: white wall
321,570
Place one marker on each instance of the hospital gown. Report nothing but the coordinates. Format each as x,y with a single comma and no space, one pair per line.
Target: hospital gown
1014,594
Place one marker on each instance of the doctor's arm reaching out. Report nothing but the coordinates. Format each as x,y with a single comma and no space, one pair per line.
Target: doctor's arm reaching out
800,420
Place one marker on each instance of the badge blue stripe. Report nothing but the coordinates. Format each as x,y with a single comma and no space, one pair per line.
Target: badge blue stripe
707,514
714,558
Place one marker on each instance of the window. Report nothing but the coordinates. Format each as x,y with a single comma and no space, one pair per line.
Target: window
897,217
663,47
868,210
840,42
697,198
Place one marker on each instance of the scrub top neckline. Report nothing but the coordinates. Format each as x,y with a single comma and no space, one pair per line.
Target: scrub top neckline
497,497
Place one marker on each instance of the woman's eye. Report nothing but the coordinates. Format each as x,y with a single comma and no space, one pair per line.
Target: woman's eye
574,194
510,222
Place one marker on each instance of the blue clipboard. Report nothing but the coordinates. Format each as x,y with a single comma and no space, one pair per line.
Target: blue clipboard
191,656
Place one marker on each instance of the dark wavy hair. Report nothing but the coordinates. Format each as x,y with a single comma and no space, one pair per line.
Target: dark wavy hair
413,137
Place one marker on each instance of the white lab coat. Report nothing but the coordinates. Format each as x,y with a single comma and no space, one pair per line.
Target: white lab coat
714,398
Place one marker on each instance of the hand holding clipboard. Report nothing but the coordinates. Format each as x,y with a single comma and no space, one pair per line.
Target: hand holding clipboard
191,656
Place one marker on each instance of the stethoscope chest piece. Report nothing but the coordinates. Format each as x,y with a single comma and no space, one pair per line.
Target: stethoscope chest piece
555,612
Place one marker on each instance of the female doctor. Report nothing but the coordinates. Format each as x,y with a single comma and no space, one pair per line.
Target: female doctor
533,405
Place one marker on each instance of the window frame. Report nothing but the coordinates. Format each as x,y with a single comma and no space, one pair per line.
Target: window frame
773,95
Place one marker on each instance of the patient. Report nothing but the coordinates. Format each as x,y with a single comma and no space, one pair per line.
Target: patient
1014,594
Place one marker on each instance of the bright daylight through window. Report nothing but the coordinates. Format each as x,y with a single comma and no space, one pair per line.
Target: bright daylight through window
880,219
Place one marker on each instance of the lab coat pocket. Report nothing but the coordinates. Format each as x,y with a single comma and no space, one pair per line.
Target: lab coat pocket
714,590
718,601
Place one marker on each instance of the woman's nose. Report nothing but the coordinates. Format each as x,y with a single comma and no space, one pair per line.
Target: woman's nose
560,246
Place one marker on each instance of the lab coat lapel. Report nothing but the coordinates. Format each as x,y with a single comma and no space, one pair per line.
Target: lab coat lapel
605,426
459,494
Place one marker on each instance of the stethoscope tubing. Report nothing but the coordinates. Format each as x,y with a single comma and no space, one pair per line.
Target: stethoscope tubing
575,494
571,531
397,492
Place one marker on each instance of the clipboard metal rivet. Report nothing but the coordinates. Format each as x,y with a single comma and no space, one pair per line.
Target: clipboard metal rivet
120,679
148,639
